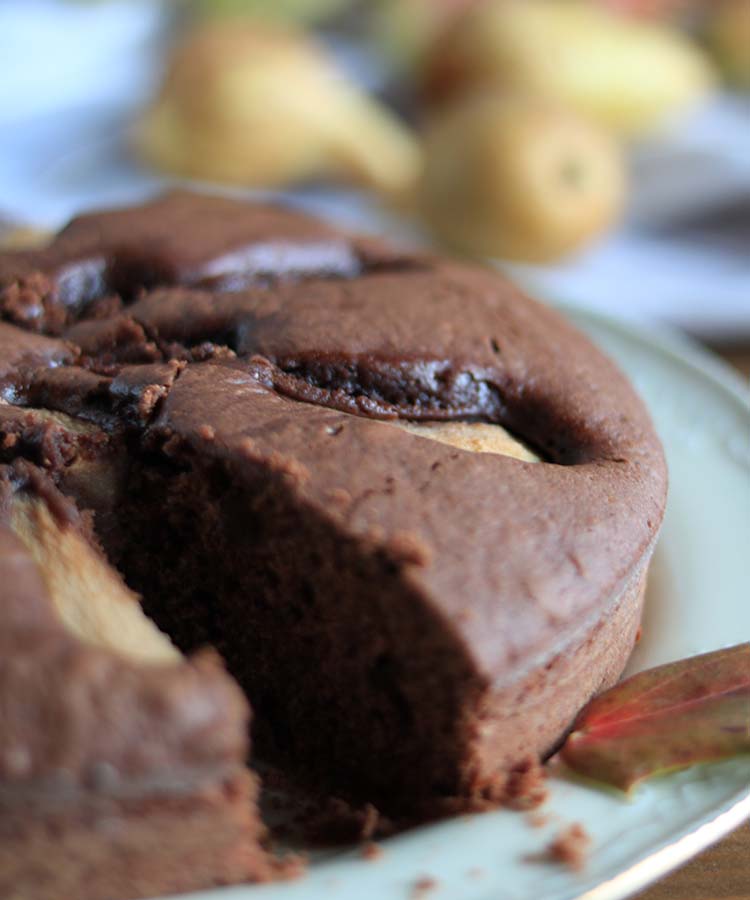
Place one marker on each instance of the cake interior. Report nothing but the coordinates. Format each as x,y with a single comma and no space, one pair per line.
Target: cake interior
372,698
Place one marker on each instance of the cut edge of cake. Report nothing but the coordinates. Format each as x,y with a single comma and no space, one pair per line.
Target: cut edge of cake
122,763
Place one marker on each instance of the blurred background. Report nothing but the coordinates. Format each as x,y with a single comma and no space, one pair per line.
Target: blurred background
597,149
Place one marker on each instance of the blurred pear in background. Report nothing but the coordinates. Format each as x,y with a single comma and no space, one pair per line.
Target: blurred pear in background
266,107
624,74
404,30
521,111
729,38
519,177
294,11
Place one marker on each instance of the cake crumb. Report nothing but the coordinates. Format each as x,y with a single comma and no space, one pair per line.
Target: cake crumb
370,821
409,549
375,534
526,787
291,866
319,820
537,819
206,432
371,851
570,847
422,887
340,497
288,467
247,447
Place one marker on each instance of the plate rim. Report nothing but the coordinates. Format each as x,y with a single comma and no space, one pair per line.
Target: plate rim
692,840
710,829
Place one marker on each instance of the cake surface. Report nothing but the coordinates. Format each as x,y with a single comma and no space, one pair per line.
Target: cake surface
411,610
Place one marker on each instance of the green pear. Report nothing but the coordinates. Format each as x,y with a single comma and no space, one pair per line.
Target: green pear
294,11
405,29
729,38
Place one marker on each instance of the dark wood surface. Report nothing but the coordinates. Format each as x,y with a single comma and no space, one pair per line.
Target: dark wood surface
723,871
720,873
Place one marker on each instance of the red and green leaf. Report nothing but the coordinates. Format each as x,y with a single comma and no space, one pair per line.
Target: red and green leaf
693,711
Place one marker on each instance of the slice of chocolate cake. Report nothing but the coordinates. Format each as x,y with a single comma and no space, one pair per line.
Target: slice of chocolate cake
412,509
121,763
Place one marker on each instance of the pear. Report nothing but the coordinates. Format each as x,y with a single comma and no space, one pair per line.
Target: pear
518,177
294,11
404,30
729,38
625,74
265,107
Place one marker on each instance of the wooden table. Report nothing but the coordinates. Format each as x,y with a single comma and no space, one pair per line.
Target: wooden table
722,872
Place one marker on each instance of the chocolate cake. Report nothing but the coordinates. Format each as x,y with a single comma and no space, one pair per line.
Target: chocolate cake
410,508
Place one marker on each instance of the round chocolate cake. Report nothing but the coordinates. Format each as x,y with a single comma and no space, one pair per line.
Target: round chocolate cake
411,509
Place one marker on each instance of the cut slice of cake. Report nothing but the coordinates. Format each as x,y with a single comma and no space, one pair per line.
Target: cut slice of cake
122,764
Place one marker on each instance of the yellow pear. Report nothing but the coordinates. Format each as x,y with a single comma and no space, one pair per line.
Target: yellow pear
265,107
518,177
625,74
